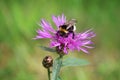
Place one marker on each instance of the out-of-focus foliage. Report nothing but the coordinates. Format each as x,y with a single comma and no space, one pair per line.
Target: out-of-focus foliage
20,56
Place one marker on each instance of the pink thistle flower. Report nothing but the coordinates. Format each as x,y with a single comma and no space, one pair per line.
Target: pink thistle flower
80,42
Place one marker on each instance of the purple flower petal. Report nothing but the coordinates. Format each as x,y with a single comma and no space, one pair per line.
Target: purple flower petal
63,19
60,20
46,26
65,50
43,34
89,47
84,50
54,44
55,20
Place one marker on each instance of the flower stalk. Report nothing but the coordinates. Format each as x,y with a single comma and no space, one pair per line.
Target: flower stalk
56,68
48,69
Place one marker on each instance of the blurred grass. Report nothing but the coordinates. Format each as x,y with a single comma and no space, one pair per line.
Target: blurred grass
20,56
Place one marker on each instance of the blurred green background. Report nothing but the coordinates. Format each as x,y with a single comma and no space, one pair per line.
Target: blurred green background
20,56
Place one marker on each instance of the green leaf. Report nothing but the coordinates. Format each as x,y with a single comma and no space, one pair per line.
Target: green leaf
74,62
58,78
47,49
56,68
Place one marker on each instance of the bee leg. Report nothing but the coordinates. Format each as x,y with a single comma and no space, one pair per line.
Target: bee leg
73,35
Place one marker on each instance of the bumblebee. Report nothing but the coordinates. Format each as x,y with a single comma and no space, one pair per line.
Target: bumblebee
67,28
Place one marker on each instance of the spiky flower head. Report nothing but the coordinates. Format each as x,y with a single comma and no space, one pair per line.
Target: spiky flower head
80,42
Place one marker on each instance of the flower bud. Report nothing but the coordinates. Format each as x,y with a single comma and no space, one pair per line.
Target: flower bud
60,51
47,62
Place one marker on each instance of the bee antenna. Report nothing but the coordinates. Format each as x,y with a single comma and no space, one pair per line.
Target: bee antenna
74,20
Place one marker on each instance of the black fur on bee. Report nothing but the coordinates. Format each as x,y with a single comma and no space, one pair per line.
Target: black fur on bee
68,28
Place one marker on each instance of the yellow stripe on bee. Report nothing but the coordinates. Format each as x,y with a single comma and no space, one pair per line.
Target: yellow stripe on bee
63,30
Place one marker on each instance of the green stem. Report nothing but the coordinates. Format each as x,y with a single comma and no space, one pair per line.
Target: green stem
49,73
56,68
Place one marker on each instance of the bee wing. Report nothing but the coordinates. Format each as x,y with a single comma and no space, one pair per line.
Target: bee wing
73,21
74,28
